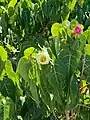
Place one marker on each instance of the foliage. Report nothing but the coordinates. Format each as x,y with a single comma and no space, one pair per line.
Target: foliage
44,60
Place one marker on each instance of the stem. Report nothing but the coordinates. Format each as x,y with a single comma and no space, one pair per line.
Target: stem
67,115
83,66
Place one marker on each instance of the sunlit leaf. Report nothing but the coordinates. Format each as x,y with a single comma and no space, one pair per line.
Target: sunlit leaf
3,54
87,49
72,4
55,29
6,111
12,3
30,4
29,51
9,70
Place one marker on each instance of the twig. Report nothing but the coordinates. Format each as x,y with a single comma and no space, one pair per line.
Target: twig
84,106
80,106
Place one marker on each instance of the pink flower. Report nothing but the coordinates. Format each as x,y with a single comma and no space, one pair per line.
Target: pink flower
77,30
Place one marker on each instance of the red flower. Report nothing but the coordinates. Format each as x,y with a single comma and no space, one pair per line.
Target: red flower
77,30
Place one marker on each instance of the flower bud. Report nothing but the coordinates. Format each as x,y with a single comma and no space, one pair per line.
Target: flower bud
77,30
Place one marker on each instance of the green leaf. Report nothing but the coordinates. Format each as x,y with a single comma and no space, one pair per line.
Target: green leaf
2,70
9,109
3,8
2,0
34,91
30,4
6,111
73,23
9,70
45,88
83,39
55,79
23,68
87,22
72,4
87,34
2,74
87,49
4,23
74,91
55,29
29,51
59,75
87,67
3,54
0,29
57,45
7,88
65,12
12,3
1,110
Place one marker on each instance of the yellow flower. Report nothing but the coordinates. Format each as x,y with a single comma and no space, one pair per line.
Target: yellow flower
43,57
